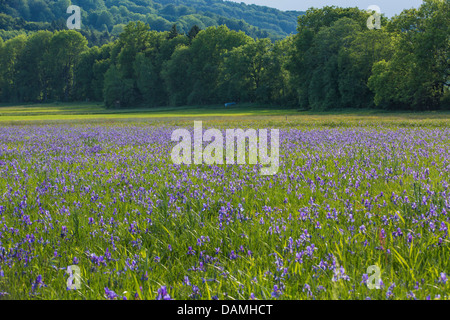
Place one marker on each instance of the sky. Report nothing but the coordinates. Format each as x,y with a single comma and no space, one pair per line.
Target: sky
388,7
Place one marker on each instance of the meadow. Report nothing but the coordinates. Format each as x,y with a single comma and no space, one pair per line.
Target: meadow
97,189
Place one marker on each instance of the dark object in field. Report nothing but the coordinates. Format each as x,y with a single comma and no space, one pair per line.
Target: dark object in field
230,104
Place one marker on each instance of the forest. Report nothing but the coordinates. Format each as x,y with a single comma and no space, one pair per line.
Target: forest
104,20
332,61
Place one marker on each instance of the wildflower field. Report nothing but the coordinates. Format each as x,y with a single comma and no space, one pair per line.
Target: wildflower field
108,199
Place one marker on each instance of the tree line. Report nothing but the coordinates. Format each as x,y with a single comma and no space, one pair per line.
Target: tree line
334,61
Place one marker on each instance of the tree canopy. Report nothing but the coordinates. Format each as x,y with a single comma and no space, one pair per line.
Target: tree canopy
102,19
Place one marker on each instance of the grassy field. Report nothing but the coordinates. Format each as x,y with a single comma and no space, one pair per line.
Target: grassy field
96,113
98,189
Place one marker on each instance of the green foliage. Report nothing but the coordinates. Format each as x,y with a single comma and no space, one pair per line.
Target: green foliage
65,51
118,91
243,72
207,56
139,56
173,33
418,73
34,68
100,16
84,74
193,32
176,76
333,62
333,50
133,40
339,63
355,66
8,67
146,78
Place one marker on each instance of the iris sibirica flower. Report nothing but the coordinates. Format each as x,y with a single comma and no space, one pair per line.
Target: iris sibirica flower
443,278
38,283
276,292
110,294
162,294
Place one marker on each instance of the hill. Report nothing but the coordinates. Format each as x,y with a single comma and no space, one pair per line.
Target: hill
103,20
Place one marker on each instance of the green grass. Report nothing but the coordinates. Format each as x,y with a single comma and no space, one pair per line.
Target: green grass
89,112
81,111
